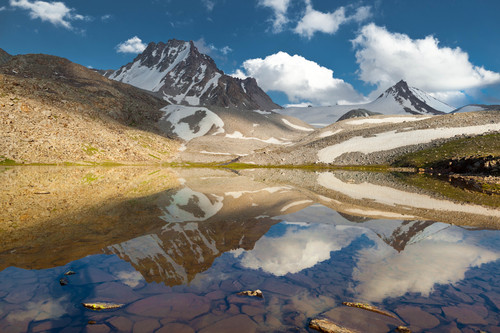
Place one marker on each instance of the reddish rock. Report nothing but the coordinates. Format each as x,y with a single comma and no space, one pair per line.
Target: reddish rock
215,295
180,306
272,321
147,325
99,328
121,323
467,314
253,310
416,317
239,323
175,327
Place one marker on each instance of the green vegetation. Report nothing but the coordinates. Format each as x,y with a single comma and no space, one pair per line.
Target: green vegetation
89,178
89,149
6,161
448,190
479,146
311,167
154,156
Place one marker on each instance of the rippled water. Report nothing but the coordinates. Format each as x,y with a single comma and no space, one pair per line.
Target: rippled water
176,246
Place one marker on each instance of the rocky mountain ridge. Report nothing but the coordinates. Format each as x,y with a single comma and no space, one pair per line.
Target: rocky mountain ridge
180,74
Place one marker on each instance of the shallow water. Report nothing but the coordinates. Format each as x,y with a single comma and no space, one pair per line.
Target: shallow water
176,246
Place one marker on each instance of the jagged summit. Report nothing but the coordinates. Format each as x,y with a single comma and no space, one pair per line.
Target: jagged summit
180,74
412,100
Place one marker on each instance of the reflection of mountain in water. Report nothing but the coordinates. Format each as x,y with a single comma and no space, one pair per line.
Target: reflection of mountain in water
179,251
202,226
409,232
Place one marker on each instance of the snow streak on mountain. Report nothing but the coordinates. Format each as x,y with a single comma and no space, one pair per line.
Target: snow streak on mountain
181,75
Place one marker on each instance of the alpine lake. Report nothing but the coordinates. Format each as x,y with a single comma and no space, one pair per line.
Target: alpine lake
170,249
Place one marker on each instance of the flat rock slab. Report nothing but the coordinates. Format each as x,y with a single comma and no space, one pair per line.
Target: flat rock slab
180,306
361,320
416,317
175,327
239,323
467,314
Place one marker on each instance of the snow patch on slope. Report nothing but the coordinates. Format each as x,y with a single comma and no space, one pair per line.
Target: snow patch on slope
297,127
239,135
391,140
188,129
393,120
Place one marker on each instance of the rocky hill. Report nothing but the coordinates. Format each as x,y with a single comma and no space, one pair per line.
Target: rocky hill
180,74
379,139
53,110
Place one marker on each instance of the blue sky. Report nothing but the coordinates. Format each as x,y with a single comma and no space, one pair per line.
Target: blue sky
300,51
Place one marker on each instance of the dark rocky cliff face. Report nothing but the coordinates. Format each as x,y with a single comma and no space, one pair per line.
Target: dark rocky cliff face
180,74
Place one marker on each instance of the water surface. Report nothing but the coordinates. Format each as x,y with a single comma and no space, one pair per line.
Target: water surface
176,246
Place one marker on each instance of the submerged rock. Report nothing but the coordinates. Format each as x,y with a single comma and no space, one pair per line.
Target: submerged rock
326,326
102,306
63,281
255,293
368,307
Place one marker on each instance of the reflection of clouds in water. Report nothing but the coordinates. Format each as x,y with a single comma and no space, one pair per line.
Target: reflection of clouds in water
442,258
300,247
131,279
39,310
189,205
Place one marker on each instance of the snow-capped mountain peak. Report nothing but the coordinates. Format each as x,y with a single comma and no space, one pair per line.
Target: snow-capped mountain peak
412,100
180,74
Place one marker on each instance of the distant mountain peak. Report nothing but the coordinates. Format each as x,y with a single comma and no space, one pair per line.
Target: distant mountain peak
414,100
180,74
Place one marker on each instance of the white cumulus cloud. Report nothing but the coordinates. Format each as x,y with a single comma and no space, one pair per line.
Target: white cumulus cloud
279,8
300,79
314,21
210,49
385,57
132,45
209,4
56,13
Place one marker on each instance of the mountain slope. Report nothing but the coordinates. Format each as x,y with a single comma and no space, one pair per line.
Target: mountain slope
180,74
221,134
399,99
379,140
4,57
54,110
